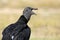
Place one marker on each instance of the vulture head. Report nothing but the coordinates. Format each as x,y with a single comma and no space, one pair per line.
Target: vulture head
27,12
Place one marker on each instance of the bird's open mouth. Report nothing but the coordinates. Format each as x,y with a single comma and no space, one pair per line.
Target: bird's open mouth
34,12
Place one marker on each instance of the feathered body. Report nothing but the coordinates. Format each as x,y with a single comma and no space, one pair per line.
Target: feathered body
19,30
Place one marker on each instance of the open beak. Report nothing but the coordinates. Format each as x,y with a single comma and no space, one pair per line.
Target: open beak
34,9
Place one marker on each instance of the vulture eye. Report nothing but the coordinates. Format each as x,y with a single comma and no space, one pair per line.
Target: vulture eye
26,10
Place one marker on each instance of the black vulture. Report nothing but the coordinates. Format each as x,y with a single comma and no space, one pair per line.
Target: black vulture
19,30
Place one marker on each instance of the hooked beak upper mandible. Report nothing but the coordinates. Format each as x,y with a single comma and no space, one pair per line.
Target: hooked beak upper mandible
34,8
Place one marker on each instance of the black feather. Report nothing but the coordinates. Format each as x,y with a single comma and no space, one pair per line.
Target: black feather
19,30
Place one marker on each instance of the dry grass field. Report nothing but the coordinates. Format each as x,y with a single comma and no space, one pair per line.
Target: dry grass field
44,26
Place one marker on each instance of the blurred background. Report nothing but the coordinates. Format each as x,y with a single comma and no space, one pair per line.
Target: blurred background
44,26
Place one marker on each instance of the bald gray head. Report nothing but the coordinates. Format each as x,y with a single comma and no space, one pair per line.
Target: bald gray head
27,12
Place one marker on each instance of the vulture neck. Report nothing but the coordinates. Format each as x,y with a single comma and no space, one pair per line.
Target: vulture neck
22,20
27,16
